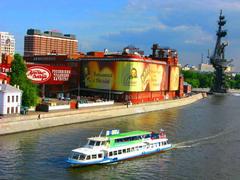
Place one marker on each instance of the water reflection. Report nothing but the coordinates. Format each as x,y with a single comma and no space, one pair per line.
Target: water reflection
207,135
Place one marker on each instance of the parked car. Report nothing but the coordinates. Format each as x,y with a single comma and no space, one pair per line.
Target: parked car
24,110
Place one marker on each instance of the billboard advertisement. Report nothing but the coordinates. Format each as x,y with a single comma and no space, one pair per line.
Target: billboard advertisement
45,74
174,78
125,76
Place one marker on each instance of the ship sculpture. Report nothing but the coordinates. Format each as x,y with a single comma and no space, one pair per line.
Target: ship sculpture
218,60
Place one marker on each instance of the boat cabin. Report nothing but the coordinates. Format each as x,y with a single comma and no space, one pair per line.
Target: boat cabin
85,154
95,142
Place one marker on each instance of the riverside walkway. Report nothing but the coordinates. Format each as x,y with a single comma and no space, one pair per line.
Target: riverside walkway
31,121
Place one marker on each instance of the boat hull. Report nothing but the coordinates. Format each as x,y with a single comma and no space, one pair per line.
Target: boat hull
106,160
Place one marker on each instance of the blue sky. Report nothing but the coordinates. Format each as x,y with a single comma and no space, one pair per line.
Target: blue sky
186,25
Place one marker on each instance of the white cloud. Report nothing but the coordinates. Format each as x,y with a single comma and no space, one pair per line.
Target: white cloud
172,5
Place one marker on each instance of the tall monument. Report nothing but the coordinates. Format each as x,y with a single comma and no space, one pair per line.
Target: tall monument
218,59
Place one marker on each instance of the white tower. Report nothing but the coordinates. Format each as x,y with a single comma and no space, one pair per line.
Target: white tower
7,44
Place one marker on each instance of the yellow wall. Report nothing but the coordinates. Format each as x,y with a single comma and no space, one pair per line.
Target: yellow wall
125,76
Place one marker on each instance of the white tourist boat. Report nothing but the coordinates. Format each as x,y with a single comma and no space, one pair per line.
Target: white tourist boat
116,146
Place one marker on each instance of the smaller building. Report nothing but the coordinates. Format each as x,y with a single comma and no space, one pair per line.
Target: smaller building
7,44
206,67
10,99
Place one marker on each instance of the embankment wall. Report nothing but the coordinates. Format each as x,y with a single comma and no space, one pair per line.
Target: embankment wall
31,122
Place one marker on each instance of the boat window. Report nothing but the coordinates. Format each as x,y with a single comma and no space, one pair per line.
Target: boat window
75,156
140,147
128,149
94,156
132,149
88,157
164,143
82,156
167,142
103,143
147,136
99,155
110,153
91,143
98,143
124,150
127,139
115,152
159,144
119,151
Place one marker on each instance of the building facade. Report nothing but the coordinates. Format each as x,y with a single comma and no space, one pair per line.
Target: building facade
49,42
7,44
10,99
206,67
126,76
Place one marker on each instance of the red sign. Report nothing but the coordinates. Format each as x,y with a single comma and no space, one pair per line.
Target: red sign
38,74
46,74
5,68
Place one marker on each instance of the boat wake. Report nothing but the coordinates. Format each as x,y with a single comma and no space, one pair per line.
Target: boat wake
235,94
196,142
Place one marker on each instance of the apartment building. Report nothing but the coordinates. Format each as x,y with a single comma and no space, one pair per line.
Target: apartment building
49,43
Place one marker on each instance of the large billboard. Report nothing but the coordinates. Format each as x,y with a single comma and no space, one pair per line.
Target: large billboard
124,76
174,78
46,74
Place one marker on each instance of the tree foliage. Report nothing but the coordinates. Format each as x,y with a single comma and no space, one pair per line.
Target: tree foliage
197,79
18,77
206,80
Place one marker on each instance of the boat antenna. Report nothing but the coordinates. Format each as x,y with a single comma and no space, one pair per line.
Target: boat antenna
101,133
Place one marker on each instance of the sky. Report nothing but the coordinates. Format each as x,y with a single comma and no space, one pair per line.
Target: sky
189,26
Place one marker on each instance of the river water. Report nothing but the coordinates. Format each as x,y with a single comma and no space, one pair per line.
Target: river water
206,135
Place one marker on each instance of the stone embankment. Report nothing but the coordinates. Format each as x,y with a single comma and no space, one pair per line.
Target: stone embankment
21,123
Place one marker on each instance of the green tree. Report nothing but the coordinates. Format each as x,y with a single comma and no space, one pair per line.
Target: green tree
18,77
198,79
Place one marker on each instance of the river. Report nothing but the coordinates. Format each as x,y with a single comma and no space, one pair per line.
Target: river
206,135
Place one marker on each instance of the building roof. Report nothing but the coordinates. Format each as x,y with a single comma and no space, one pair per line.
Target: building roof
9,88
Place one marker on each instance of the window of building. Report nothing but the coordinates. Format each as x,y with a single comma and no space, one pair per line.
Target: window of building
12,110
8,98
12,98
16,98
16,110
8,110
